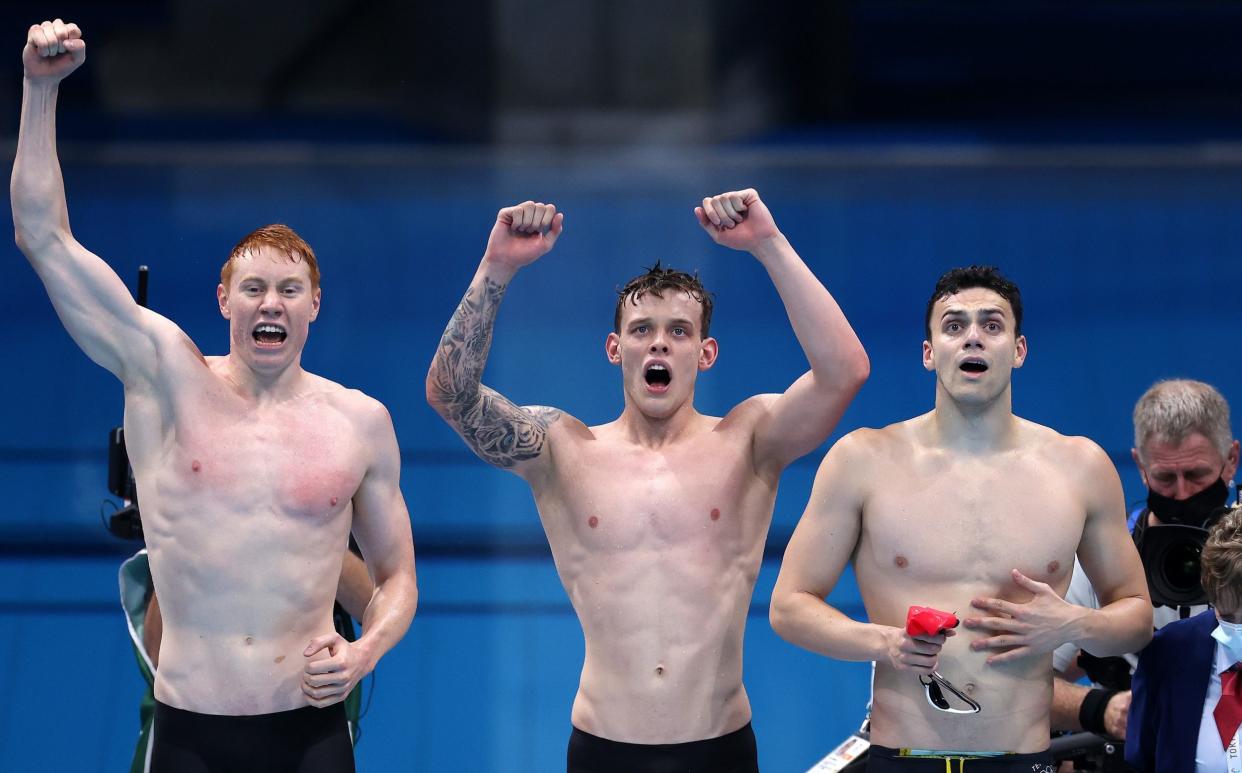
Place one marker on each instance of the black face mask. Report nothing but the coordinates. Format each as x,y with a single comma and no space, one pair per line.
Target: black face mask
1193,510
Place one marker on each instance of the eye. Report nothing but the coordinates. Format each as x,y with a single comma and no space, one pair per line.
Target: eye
992,327
640,329
953,327
679,331
290,291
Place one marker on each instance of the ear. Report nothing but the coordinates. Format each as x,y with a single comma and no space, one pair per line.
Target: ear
1231,461
929,360
1020,355
612,348
708,352
222,298
1134,454
316,297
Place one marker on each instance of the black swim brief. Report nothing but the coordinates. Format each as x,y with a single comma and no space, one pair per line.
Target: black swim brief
731,753
883,759
305,740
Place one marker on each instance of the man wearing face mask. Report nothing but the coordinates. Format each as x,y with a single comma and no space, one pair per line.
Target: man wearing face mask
1187,705
1187,456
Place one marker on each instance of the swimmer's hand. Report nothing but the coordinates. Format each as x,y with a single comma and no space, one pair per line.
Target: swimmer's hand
53,50
737,219
1034,628
333,666
914,653
522,234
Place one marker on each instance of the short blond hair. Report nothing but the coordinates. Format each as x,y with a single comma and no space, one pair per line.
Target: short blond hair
1220,566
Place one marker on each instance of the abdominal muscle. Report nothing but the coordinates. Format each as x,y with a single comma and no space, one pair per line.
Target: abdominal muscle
663,654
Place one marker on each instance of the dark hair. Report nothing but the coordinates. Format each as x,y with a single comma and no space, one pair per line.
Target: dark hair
955,280
655,282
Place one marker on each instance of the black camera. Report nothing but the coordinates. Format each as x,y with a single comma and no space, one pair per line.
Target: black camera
1170,554
125,522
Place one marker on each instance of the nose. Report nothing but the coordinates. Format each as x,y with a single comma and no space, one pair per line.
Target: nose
658,346
973,338
271,305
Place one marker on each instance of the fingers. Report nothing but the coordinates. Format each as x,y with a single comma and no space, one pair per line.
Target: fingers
725,210
55,37
1017,653
321,697
993,605
1034,586
992,623
529,217
322,642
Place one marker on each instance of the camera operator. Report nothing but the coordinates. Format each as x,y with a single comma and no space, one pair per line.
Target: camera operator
1187,456
1187,705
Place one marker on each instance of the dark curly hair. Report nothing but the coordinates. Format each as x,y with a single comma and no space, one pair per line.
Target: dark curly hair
955,280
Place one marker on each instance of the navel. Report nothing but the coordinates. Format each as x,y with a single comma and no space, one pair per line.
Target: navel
715,513
592,522
659,670
196,465
969,688
900,561
1053,566
249,640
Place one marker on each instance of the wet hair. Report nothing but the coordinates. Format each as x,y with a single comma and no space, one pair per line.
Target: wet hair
279,237
656,281
1220,565
956,280
1174,409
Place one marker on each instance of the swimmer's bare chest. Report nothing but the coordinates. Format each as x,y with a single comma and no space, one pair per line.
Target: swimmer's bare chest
614,501
956,528
239,489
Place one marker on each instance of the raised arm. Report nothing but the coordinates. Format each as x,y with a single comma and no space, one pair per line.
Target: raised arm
89,297
1122,624
502,434
803,416
382,527
818,552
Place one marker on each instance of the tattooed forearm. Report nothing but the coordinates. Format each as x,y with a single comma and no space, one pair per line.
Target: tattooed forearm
500,432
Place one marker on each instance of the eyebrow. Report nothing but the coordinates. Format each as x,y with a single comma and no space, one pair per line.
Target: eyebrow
286,280
984,312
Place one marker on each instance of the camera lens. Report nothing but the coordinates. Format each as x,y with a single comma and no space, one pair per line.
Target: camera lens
1181,567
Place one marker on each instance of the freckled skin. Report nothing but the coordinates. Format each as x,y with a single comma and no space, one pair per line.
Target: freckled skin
901,562
715,514
592,522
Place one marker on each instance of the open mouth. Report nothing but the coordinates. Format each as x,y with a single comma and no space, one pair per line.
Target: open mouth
657,377
268,334
973,366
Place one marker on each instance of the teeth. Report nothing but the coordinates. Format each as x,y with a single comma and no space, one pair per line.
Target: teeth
657,367
268,329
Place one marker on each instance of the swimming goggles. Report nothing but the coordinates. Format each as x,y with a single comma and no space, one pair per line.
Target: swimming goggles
936,699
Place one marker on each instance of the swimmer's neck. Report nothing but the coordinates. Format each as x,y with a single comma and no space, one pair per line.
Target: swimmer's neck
656,432
980,428
260,386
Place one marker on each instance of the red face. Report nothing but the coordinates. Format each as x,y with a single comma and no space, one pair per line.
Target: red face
1181,470
660,352
269,305
974,347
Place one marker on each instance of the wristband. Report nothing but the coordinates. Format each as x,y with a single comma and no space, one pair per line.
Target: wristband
1091,712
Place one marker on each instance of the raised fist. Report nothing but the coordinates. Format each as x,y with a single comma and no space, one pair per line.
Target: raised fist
53,50
523,233
737,219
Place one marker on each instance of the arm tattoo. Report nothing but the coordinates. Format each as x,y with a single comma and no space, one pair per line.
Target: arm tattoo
501,433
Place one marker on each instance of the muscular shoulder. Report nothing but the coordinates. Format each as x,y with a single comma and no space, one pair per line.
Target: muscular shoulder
1076,454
